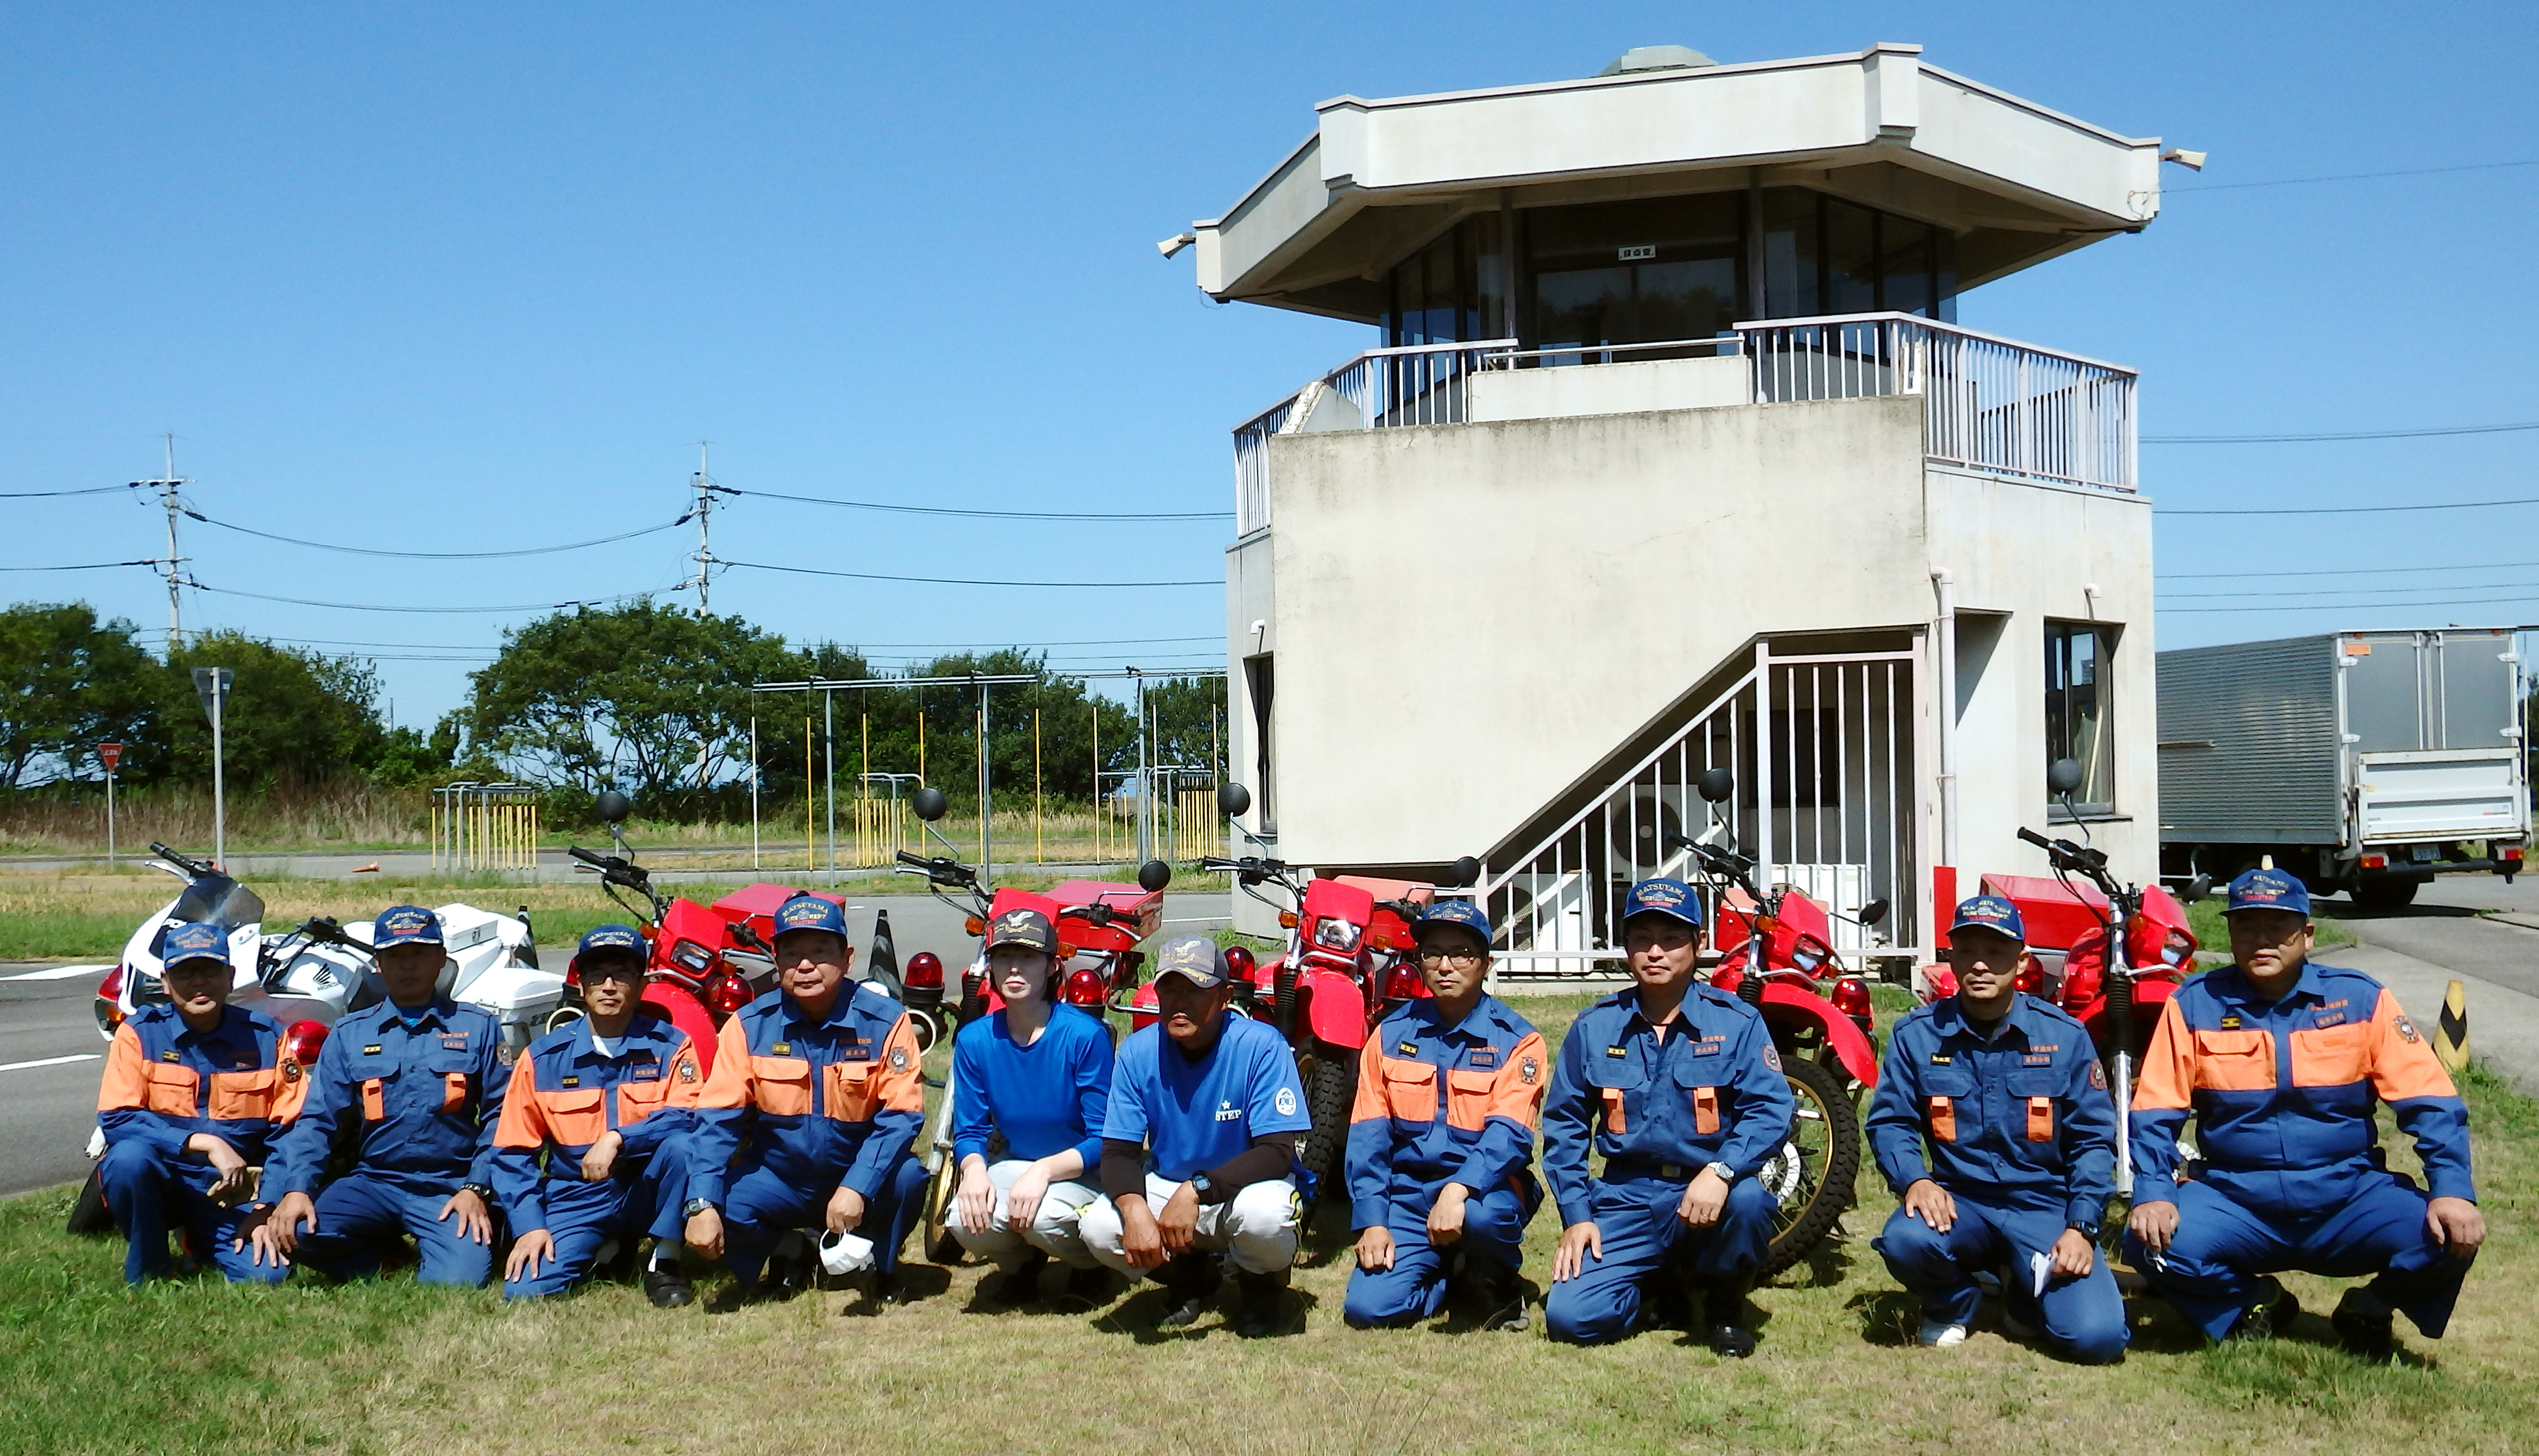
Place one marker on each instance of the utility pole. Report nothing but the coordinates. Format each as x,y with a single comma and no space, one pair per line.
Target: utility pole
166,485
706,491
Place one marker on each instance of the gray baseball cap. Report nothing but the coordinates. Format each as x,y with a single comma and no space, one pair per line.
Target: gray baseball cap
1197,959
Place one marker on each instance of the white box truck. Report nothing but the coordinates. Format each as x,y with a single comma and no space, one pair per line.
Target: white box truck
2362,761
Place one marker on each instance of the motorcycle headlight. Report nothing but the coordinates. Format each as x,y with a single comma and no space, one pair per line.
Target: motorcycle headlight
1331,933
692,956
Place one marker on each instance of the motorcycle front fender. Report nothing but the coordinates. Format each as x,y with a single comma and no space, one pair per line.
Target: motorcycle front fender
1786,1007
1335,1007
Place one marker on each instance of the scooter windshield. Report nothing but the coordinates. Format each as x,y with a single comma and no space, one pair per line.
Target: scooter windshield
217,899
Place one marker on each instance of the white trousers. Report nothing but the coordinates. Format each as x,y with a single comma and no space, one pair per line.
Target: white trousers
1054,1227
1255,1228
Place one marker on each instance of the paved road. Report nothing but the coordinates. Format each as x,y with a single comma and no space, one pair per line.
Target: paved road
2472,924
48,1111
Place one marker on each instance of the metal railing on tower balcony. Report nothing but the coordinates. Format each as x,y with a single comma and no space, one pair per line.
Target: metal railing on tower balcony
1989,403
1408,385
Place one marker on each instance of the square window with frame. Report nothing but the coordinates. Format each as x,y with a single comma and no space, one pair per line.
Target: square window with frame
2079,660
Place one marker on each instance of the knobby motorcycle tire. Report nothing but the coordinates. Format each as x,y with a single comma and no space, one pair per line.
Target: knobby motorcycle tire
1328,1095
1811,1081
89,1213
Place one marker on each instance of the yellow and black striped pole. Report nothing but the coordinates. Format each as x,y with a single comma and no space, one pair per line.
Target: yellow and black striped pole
2450,1030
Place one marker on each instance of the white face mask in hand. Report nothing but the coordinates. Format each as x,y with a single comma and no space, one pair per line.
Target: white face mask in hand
845,1253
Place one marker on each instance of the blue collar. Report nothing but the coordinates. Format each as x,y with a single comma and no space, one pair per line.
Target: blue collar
1949,1018
437,1009
2240,987
1477,1023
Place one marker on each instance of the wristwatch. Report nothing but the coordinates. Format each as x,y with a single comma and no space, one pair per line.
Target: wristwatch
484,1191
1201,1184
1725,1173
695,1206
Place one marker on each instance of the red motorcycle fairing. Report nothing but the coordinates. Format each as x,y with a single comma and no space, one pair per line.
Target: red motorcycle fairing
1802,927
756,904
1786,1006
687,1013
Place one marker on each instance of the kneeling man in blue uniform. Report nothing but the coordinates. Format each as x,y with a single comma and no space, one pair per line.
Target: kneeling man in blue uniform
2009,1095
2281,1063
1679,1086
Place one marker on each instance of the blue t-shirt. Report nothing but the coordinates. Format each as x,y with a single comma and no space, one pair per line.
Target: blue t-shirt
1196,1115
1044,1098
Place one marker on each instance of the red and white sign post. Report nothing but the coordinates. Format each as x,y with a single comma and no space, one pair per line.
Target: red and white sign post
110,754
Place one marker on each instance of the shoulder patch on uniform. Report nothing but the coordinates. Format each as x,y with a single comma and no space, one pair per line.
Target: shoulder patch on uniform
1771,1056
2098,1073
687,1071
1285,1101
899,1059
1529,1069
2406,1029
289,1069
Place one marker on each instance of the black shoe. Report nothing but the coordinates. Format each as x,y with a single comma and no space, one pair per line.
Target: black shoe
1668,1307
1192,1281
889,1288
1020,1284
787,1276
667,1286
1493,1295
2268,1317
1262,1310
734,1296
2366,1325
1729,1335
1087,1288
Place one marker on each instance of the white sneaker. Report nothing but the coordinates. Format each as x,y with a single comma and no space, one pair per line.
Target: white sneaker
1940,1336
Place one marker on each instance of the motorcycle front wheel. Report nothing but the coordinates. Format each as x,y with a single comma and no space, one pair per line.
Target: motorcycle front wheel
1813,1172
942,1246
1329,1092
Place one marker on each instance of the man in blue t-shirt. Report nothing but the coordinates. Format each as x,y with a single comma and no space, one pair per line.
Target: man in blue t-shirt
1198,1147
1035,1076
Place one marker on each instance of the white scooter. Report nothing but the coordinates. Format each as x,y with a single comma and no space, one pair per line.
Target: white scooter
318,971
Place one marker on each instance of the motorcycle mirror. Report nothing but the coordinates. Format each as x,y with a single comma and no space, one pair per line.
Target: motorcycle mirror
1715,785
2063,777
1153,876
930,804
612,806
1233,799
1461,874
2197,889
1873,912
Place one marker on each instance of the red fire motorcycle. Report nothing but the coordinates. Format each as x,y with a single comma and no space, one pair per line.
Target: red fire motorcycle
1099,922
1776,955
1347,964
2072,927
705,962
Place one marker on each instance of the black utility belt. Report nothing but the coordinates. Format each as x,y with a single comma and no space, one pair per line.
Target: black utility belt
1618,1168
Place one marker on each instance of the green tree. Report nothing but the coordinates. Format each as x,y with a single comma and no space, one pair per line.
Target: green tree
67,683
293,715
651,699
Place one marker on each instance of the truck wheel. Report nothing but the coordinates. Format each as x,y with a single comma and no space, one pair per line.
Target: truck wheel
89,1215
2386,894
1813,1172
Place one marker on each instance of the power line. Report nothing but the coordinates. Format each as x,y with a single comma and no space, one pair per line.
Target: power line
2313,606
806,571
442,555
2353,510
990,515
998,645
356,606
2353,177
2354,571
2427,432
2391,592
39,494
88,566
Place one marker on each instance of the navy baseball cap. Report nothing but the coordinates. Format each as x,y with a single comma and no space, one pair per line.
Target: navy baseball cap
194,940
1672,898
613,942
1198,959
1453,913
811,912
1989,913
405,924
1025,926
2269,889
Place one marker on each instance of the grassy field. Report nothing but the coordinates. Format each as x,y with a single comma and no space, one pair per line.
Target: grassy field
389,1367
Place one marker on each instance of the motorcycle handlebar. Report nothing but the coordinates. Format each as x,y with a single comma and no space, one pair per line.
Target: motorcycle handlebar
190,867
941,870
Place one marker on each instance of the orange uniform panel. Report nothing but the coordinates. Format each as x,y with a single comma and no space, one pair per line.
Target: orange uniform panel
244,1094
1943,1119
2236,1060
171,1090
1410,1089
1470,1096
2333,1056
2403,1064
1614,1122
780,1086
2040,1118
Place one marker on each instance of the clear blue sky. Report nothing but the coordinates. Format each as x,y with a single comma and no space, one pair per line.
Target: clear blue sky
468,277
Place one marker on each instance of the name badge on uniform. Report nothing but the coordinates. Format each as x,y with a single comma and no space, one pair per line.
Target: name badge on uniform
373,1050
1941,1059
2038,1059
454,1042
170,1054
1407,1048
1483,1057
572,1081
1618,1051
2230,1022
781,1049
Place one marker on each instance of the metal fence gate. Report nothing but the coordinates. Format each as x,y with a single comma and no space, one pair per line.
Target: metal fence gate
484,827
1822,749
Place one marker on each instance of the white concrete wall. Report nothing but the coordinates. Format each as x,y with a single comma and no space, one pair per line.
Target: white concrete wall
1638,387
1466,618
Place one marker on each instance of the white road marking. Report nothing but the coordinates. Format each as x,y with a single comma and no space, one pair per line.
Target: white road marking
59,973
51,1061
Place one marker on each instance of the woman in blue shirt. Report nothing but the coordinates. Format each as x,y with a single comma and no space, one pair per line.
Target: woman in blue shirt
1030,1084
